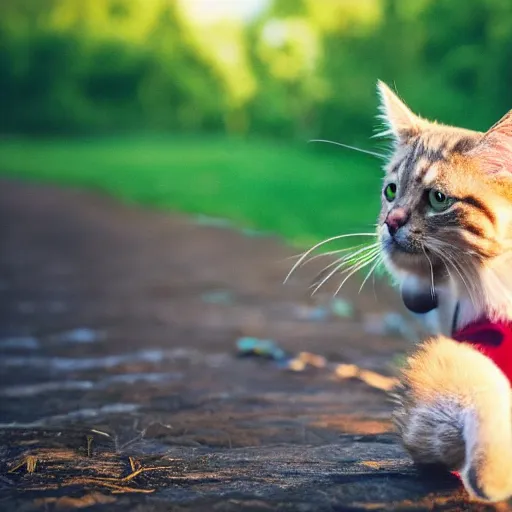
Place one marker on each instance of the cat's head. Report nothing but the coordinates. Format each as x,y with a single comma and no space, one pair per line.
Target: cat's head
447,204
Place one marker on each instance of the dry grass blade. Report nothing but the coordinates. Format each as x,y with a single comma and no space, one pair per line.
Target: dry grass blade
116,488
373,379
30,462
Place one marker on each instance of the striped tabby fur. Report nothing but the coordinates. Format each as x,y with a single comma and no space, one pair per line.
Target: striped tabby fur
453,404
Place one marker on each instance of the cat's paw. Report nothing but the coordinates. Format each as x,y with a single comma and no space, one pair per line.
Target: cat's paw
454,409
487,481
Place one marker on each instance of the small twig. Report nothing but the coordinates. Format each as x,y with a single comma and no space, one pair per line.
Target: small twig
373,379
90,440
135,473
132,489
95,431
134,464
117,489
30,461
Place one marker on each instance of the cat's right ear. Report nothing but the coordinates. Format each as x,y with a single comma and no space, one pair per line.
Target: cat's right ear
399,120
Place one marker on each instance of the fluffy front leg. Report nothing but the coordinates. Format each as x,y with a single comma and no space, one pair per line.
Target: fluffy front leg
454,409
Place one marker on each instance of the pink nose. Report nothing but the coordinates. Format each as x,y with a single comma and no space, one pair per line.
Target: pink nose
396,218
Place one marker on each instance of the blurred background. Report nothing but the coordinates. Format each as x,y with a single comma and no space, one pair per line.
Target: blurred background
206,106
133,323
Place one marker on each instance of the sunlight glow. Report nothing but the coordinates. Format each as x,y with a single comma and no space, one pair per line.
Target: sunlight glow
211,11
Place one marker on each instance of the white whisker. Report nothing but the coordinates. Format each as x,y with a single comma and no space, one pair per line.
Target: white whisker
326,278
309,251
364,257
370,272
432,289
444,252
339,251
354,270
362,252
354,148
346,259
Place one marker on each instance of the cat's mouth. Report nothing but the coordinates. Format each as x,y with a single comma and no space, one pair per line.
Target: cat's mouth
411,256
394,245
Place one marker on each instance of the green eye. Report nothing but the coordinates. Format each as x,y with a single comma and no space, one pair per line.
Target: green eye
390,192
439,201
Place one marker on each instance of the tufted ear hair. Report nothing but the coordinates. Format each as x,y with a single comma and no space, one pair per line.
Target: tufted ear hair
400,121
503,128
495,148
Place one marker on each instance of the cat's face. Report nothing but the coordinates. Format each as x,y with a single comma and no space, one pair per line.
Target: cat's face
446,196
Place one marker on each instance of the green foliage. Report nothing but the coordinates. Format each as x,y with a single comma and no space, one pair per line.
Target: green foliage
111,65
78,78
298,70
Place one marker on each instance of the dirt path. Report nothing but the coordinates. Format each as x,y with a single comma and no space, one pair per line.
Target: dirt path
120,380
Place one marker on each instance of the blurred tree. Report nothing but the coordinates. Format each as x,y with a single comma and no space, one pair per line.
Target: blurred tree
82,64
301,68
180,89
285,48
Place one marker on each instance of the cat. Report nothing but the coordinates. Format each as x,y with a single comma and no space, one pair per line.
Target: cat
445,233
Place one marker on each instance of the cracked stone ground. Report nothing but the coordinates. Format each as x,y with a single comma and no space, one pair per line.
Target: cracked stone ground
120,385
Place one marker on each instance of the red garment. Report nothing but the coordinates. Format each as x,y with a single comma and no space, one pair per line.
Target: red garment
493,340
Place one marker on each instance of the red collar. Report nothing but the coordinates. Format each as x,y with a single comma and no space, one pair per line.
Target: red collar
494,339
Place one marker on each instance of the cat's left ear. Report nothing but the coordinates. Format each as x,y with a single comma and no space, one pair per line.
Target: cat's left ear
503,128
495,148
401,122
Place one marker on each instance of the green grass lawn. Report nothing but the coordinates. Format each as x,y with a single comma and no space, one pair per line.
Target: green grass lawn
296,191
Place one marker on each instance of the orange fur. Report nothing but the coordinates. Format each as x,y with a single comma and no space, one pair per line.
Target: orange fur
454,405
